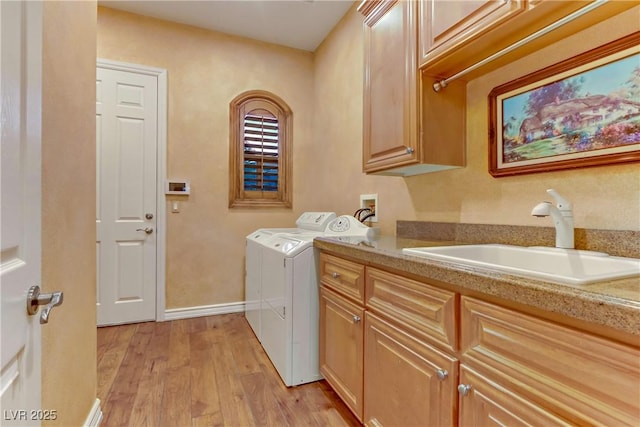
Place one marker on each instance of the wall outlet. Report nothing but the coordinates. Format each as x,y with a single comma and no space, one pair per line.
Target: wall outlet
370,201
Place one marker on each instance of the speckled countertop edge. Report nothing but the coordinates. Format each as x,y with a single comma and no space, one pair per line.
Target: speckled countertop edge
614,304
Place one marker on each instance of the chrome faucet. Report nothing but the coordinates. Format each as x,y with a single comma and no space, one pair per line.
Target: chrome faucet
562,218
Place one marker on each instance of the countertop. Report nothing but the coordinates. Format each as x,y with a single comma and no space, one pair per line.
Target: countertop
614,305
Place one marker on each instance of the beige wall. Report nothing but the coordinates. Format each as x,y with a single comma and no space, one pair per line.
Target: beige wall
206,70
68,209
205,247
603,197
338,111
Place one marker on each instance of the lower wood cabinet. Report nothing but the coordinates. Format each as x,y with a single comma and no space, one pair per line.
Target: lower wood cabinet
341,347
403,353
484,402
407,382
579,377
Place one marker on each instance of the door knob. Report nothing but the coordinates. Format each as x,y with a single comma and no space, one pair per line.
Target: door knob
35,299
147,230
442,374
464,389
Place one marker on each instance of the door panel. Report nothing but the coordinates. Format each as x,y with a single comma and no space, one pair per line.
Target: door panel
126,118
20,258
402,366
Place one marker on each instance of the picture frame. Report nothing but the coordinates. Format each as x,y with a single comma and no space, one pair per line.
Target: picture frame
581,112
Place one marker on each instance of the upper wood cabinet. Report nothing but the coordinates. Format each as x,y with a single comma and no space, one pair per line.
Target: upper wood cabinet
454,35
445,25
406,129
390,85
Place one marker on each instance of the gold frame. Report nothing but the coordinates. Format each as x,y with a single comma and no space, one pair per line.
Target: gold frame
500,147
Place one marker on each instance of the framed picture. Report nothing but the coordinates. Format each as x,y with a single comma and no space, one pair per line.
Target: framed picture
584,111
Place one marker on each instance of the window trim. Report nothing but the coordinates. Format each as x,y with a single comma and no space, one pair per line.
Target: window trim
238,197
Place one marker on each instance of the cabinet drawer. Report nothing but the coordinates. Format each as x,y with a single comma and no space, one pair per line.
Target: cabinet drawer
583,378
425,310
343,276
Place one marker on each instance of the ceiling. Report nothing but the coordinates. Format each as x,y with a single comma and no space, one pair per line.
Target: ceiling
301,24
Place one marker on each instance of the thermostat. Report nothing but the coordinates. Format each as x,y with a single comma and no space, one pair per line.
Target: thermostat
177,186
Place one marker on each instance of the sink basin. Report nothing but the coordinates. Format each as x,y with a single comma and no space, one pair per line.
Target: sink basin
567,266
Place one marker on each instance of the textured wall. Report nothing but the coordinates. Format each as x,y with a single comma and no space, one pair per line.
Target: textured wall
206,70
68,209
205,248
603,197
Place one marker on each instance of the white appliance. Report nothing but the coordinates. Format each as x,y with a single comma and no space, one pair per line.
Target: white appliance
307,222
287,318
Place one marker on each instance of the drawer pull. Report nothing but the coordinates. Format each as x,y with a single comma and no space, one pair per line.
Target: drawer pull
464,389
442,374
356,319
335,275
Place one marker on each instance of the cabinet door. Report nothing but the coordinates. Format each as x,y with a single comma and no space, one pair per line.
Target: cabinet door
390,86
408,383
341,347
446,24
586,379
487,403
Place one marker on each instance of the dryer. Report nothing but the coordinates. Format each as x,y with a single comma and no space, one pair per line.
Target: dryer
307,222
288,313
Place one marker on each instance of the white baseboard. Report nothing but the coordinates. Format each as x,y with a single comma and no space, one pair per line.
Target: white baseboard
95,415
203,310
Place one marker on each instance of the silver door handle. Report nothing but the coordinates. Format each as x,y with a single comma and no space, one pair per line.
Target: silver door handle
35,299
147,230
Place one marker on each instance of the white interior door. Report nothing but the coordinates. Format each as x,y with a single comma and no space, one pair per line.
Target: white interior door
20,261
126,137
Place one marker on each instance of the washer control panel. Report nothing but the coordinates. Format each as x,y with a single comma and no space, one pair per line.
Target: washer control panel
316,221
347,225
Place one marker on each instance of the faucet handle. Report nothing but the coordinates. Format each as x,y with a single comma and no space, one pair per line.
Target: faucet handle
563,204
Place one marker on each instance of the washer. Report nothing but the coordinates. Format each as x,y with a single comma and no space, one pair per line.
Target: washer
288,315
307,222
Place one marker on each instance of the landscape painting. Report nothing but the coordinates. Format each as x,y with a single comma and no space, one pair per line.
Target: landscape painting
582,112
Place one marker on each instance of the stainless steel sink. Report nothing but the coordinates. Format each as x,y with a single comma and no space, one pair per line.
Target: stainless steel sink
567,266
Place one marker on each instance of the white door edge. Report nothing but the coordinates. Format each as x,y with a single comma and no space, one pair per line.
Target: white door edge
94,418
161,211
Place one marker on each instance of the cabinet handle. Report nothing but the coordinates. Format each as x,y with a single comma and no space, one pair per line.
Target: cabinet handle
442,374
464,389
409,150
356,318
335,275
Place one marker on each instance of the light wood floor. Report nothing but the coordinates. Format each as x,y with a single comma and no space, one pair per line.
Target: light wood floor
208,371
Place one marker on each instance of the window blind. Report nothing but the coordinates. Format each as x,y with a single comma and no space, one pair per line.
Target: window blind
261,152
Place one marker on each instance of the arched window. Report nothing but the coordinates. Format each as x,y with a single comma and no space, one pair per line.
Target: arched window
260,151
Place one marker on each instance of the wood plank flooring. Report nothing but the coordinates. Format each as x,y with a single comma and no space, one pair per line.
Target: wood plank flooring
207,371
